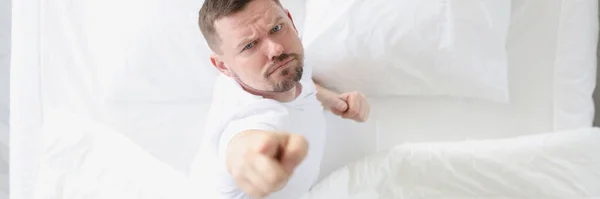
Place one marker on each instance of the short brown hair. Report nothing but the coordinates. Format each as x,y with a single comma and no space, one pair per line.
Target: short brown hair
213,10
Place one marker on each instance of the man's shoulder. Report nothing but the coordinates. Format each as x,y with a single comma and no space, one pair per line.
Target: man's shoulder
231,103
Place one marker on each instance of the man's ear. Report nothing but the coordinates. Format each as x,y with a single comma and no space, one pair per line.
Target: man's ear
287,12
220,65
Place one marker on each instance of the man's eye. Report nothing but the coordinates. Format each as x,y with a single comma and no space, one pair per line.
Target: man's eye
276,28
249,46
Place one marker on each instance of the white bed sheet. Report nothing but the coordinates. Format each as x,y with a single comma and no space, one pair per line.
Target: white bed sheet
113,166
171,131
539,91
552,165
25,106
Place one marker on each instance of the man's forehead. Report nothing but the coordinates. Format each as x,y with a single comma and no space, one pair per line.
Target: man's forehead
240,23
249,15
231,30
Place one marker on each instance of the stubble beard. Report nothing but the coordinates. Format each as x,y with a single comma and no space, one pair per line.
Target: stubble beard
288,84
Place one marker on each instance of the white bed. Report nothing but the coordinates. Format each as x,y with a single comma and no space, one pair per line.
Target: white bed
551,73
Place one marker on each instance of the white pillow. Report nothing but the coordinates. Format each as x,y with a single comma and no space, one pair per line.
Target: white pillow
166,58
407,47
297,9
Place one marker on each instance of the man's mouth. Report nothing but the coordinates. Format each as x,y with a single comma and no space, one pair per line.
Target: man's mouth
283,64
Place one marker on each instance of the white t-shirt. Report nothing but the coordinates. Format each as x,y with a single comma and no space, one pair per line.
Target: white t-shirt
233,110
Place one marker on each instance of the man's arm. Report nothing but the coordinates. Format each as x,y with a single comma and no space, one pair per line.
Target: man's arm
352,105
256,153
330,99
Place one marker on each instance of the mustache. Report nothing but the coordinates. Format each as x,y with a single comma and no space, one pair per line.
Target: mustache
279,60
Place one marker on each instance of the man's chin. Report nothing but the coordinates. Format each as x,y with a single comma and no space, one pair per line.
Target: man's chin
296,74
298,77
292,77
285,86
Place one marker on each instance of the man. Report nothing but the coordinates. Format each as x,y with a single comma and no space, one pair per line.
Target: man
265,133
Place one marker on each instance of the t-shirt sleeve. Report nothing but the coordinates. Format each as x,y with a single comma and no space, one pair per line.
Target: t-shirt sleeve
264,115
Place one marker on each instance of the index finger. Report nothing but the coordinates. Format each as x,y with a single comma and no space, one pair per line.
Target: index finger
294,152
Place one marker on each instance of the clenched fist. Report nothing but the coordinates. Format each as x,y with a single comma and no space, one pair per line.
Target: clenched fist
352,105
262,162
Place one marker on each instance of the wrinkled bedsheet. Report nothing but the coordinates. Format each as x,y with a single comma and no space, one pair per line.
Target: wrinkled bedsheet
553,165
84,159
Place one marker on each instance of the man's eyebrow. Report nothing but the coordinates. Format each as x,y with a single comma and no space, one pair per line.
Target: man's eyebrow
278,19
244,41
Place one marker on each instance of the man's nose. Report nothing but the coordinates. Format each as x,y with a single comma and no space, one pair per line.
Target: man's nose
275,49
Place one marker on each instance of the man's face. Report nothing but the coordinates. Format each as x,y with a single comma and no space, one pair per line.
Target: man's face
260,47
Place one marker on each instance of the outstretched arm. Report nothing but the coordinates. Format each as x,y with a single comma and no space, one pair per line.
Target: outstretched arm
261,162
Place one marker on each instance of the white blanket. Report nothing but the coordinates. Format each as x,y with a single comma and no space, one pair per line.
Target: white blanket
555,165
84,159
